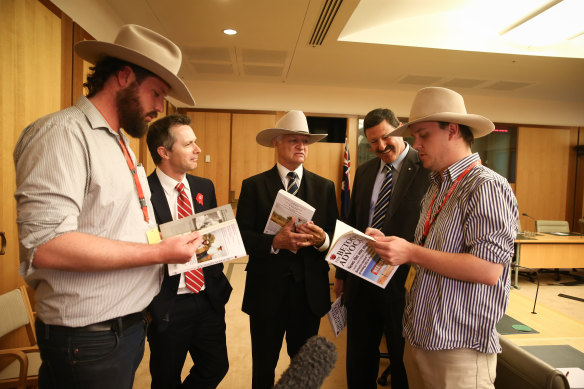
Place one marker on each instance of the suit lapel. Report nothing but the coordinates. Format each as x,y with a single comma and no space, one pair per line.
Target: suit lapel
406,177
159,199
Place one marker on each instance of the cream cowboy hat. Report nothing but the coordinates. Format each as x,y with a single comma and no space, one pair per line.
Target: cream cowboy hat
142,47
293,123
435,104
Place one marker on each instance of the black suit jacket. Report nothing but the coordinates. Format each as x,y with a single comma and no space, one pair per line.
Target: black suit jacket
216,284
401,219
265,271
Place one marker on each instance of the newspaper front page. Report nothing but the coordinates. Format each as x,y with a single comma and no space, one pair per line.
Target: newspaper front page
350,251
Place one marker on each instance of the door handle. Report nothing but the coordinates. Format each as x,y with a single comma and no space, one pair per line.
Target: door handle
3,243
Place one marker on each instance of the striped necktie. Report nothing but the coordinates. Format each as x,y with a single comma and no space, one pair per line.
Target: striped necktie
194,278
292,187
383,198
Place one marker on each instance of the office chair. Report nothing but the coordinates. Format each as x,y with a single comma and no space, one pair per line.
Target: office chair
20,365
553,226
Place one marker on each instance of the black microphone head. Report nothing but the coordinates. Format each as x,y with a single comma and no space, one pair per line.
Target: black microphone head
524,214
308,369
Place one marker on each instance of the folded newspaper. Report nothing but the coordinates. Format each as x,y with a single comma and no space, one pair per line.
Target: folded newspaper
337,316
221,238
350,251
286,206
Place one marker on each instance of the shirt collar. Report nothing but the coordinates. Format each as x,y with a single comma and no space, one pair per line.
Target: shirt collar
169,184
397,164
283,172
454,170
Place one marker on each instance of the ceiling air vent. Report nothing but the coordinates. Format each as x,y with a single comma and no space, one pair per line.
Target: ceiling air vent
327,15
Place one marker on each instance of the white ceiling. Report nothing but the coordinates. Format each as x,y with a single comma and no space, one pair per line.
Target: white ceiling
272,46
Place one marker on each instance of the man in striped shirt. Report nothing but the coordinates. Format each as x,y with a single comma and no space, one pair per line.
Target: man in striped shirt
458,285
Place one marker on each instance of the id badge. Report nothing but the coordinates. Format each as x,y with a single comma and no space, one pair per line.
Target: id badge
410,278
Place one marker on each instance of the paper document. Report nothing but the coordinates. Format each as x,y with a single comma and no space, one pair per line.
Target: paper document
221,238
337,316
349,251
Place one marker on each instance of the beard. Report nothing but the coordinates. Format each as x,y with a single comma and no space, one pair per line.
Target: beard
131,113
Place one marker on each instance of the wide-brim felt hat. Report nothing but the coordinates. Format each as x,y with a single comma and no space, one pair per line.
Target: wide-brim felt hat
436,104
293,123
145,48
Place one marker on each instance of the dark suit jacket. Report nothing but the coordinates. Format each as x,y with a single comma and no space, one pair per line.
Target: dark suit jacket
265,271
401,220
216,284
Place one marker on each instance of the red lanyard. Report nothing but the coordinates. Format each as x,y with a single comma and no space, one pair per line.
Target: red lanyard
429,220
136,179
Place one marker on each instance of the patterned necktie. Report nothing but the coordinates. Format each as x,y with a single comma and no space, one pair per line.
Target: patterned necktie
194,278
292,186
382,198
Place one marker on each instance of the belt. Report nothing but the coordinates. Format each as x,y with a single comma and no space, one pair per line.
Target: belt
118,324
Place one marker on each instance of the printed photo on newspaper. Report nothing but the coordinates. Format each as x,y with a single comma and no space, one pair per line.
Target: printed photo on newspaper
337,316
349,251
221,238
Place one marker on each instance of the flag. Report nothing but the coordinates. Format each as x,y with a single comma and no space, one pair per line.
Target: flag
346,189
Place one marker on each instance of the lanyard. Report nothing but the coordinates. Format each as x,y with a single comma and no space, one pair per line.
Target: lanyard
136,180
429,219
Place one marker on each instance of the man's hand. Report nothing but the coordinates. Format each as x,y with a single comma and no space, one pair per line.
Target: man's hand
317,234
393,250
180,248
286,238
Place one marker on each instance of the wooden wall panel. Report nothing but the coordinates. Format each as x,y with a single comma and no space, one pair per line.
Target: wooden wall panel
249,158
326,160
213,131
30,89
542,174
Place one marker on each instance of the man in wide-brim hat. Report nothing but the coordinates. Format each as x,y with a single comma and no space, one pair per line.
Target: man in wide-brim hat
287,289
85,217
458,285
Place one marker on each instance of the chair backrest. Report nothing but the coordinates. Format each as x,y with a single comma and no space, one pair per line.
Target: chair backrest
16,313
517,368
552,226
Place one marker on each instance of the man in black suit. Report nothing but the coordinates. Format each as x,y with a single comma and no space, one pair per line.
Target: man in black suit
371,311
287,287
182,320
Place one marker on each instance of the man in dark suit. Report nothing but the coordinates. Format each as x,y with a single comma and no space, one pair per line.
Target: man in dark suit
287,287
184,321
371,311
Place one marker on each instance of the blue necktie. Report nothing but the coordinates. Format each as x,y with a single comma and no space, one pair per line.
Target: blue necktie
292,186
382,198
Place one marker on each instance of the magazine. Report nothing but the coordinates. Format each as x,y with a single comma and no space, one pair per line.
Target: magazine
221,238
349,251
337,316
287,206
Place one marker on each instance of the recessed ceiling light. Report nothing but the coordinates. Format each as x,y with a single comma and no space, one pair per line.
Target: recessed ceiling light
229,31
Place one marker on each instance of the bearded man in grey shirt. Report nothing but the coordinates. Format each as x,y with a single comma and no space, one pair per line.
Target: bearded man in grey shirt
85,217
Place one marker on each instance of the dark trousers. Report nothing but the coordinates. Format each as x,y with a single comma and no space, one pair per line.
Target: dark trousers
292,318
93,359
368,318
194,328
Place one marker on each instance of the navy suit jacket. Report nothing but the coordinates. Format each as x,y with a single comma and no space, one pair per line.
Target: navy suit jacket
401,219
265,271
217,286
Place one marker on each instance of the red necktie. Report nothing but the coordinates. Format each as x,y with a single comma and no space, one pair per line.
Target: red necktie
194,278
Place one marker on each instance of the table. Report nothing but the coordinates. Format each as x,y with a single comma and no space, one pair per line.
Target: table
549,251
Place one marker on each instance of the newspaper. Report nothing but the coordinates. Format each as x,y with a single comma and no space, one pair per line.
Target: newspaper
221,238
337,316
286,206
349,251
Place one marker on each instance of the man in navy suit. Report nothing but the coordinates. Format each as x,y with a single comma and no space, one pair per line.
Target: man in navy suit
287,287
371,311
184,321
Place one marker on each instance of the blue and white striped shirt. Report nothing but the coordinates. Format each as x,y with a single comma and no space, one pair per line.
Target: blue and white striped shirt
480,218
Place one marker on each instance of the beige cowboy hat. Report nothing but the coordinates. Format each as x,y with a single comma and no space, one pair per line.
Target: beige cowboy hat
293,123
143,47
435,104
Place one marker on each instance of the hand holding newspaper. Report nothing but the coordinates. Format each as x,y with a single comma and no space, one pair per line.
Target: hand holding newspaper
349,251
221,238
287,206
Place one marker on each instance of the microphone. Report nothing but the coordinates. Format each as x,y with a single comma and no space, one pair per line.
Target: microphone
531,217
308,369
